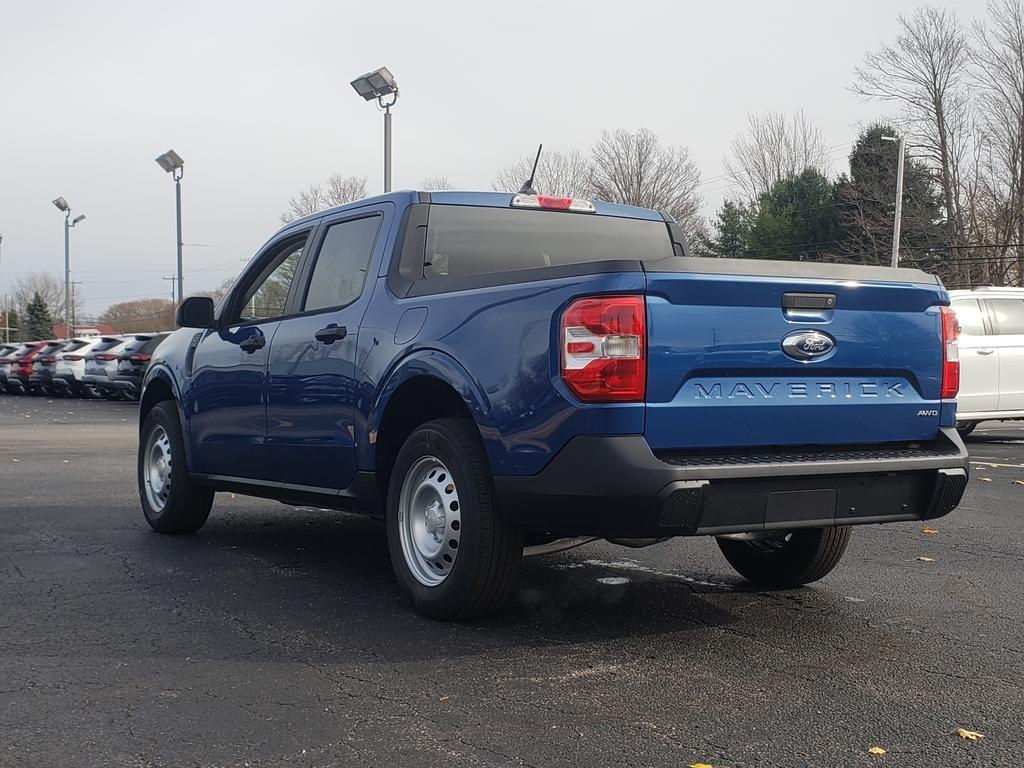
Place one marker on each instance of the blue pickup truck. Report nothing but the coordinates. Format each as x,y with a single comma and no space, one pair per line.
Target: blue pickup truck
489,371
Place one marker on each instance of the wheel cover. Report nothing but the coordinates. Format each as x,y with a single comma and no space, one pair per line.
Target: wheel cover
156,468
429,521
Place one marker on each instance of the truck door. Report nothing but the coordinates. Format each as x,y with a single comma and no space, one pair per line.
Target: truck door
226,405
313,371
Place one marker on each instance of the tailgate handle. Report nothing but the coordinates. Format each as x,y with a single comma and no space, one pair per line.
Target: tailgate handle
808,301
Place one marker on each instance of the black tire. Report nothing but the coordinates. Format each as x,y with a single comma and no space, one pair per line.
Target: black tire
187,504
490,548
965,427
793,559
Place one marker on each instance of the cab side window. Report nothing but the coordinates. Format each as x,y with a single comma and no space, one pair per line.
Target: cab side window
340,270
266,296
1009,316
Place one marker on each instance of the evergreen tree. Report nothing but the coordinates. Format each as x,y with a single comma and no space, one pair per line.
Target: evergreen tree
731,235
38,322
796,220
867,205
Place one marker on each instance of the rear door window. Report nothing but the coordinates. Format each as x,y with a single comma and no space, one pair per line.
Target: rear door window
465,241
1009,315
969,315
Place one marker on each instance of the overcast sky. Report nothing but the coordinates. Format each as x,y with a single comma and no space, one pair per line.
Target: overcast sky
255,97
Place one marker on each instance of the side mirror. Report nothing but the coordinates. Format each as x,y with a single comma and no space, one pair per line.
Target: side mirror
195,312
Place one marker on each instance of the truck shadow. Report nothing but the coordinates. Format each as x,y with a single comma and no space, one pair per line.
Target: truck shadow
327,575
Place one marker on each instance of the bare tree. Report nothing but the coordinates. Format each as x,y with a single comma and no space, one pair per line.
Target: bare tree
635,168
925,72
140,315
436,184
774,147
337,190
47,285
995,197
558,173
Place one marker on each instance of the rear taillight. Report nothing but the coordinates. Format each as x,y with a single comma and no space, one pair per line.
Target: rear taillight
604,349
106,358
142,357
950,354
47,360
72,358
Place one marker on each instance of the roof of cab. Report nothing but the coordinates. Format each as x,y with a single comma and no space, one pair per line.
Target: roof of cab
482,199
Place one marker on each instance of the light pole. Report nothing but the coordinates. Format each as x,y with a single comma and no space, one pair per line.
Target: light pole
171,162
902,142
378,85
62,205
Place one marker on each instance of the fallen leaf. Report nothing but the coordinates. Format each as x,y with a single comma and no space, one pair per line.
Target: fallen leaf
985,479
1018,482
971,735
701,765
925,559
929,530
876,751
444,698
15,460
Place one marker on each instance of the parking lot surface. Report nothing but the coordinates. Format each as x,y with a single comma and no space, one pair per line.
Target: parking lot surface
276,636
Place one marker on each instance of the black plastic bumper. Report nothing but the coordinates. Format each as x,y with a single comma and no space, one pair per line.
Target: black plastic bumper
616,486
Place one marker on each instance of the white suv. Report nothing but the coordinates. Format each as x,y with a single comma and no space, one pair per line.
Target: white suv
991,355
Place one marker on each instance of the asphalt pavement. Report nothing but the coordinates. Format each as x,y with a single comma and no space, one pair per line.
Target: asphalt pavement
277,637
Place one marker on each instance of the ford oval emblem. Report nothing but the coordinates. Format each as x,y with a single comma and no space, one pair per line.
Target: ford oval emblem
807,346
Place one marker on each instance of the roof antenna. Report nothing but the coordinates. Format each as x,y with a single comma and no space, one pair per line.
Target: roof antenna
527,188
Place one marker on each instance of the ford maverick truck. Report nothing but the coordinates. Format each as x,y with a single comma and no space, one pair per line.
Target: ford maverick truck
491,371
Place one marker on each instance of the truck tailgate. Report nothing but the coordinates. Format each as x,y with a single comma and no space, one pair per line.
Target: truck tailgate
773,353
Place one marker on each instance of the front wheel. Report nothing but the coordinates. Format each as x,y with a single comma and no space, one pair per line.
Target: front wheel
171,501
787,558
454,553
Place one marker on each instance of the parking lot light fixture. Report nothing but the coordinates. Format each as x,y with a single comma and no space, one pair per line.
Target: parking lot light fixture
65,207
382,86
172,163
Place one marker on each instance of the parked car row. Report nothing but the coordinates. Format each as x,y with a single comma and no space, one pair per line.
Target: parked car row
100,366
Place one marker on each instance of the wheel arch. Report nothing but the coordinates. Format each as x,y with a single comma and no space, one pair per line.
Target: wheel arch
425,386
160,387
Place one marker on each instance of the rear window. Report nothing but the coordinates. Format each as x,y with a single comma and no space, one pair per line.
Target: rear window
1009,314
465,241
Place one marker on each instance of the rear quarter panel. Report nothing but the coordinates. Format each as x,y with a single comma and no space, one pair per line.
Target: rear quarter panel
497,343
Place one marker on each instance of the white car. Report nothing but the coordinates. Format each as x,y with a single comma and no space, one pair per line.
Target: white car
991,355
70,368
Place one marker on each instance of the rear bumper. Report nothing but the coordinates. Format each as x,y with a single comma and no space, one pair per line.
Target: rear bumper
616,486
100,383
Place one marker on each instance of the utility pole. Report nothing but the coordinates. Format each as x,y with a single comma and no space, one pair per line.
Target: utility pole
172,278
70,330
902,142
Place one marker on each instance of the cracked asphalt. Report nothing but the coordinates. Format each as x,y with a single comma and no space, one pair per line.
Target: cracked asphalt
277,637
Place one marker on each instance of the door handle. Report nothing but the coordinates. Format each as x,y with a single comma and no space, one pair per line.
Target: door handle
253,343
986,351
332,333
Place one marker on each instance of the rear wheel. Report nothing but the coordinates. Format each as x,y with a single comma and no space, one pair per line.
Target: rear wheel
965,427
454,553
171,501
787,558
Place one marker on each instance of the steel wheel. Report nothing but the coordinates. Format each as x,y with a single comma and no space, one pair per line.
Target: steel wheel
157,468
429,521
